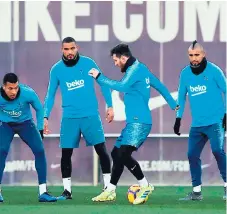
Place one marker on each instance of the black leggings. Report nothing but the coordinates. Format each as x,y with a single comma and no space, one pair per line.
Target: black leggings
66,163
123,157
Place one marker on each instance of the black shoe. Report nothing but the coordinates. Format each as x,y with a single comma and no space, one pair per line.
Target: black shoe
225,193
192,196
66,195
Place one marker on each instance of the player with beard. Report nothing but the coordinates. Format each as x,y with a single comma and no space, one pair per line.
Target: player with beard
205,84
80,110
16,118
136,85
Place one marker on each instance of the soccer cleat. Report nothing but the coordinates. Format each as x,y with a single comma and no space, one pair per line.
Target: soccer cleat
1,197
46,197
143,194
66,195
225,193
105,196
192,196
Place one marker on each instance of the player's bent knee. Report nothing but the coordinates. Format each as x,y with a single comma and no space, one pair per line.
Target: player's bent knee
125,153
100,149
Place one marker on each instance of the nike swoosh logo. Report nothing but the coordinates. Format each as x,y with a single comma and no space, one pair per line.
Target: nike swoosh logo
119,107
54,166
133,167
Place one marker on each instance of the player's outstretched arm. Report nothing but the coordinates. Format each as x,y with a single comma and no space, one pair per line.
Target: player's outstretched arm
51,92
162,89
123,85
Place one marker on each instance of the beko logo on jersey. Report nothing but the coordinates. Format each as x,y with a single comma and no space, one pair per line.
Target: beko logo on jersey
13,113
200,89
75,84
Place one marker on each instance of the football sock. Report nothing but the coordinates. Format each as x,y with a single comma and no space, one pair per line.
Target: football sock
67,184
106,179
197,188
111,187
42,188
143,182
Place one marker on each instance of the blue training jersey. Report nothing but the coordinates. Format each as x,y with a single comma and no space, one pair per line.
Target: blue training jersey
136,87
77,89
205,93
18,110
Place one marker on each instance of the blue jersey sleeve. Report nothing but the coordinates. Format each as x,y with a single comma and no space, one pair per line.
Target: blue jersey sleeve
51,92
123,85
161,88
37,105
182,92
221,82
106,92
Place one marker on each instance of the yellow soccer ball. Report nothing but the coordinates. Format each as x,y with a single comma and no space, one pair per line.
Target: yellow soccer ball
132,193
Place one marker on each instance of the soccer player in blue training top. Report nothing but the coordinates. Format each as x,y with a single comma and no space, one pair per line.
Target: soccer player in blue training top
16,118
136,85
80,110
205,84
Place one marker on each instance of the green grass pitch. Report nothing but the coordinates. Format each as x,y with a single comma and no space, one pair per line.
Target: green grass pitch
164,200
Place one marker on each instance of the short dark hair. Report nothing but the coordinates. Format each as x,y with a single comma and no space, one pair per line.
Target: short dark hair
11,78
121,50
68,40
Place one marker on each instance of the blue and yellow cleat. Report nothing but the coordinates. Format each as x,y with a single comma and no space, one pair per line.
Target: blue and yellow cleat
66,195
46,197
143,194
1,198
